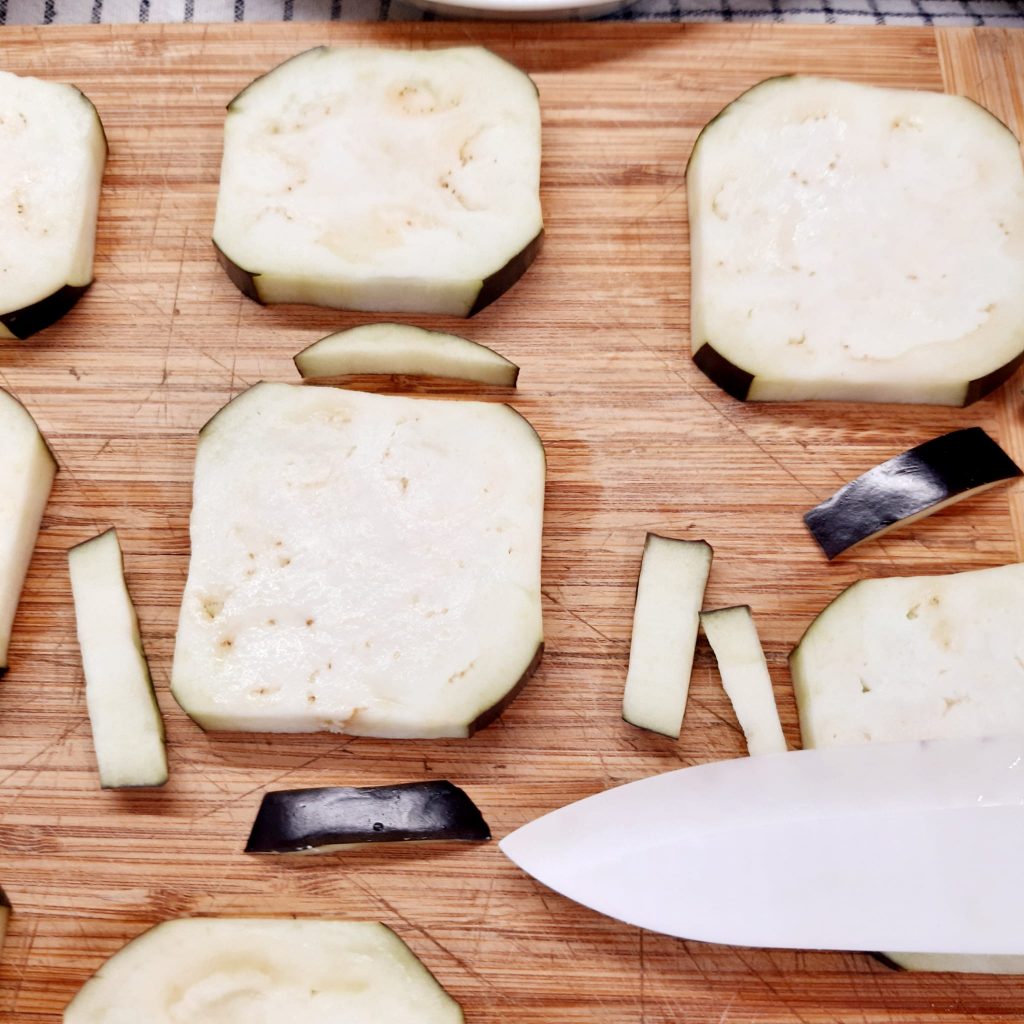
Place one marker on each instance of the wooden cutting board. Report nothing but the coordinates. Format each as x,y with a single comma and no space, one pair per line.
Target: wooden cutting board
637,439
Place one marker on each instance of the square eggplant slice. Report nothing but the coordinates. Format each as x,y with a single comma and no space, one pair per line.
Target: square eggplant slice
387,180
855,243
361,563
54,151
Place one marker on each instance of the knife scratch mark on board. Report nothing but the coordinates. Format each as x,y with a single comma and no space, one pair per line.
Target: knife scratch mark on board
575,615
413,927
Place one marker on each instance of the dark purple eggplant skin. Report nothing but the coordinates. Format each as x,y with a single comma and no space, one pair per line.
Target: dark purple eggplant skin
298,820
730,378
950,466
491,288
23,323
496,284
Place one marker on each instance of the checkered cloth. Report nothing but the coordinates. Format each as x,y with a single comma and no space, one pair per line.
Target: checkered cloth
1008,13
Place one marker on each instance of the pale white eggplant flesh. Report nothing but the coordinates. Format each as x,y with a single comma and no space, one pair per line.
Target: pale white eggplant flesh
127,730
856,243
27,469
732,634
403,349
917,658
666,617
906,488
263,971
361,563
383,180
54,151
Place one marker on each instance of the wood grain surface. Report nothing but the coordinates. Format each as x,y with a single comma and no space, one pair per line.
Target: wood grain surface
637,439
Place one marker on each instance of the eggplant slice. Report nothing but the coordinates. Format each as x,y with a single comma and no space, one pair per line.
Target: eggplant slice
908,487
666,617
53,150
299,820
917,658
856,243
27,469
361,563
127,730
733,637
388,180
404,350
914,658
264,971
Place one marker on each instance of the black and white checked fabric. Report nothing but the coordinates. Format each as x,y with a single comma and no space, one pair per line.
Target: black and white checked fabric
1006,13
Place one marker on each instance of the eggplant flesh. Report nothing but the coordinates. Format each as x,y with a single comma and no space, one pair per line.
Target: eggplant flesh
361,563
382,180
917,658
908,487
54,152
299,820
409,351
855,243
733,637
666,618
264,971
127,730
27,469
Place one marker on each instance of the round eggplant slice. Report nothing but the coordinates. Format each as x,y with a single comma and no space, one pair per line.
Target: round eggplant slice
259,971
409,351
382,180
909,487
855,243
299,820
54,151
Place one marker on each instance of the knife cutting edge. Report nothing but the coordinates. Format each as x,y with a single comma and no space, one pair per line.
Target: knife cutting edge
915,846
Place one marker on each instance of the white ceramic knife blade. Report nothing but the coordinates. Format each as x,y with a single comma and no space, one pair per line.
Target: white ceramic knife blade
911,846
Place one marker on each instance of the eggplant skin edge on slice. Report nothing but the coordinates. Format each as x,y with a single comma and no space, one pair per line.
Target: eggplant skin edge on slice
475,470
908,487
916,658
666,619
475,193
301,820
776,329
127,728
74,124
407,351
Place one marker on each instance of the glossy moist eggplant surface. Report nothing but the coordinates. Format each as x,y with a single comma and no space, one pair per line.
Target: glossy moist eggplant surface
908,487
290,821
